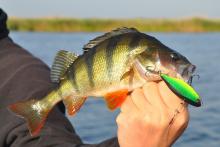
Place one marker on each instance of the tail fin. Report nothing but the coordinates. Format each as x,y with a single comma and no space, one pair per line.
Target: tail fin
34,112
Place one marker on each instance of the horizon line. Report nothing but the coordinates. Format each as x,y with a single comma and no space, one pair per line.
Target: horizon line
117,18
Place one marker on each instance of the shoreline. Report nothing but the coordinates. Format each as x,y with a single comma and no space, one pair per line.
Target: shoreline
103,25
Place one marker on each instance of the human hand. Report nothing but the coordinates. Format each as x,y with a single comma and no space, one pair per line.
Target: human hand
152,116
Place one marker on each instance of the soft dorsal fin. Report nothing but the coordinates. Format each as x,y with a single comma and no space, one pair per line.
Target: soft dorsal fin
118,31
61,63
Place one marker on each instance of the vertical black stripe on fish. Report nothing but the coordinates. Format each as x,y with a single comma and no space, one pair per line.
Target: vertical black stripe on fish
112,44
89,57
136,38
72,77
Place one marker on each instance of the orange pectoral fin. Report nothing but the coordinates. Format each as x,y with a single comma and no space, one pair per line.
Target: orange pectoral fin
115,99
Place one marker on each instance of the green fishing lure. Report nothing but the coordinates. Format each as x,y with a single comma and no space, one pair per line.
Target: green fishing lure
182,89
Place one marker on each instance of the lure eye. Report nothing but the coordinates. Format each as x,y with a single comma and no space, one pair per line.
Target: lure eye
174,56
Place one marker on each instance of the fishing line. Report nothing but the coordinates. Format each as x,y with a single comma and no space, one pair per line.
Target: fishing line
183,104
177,111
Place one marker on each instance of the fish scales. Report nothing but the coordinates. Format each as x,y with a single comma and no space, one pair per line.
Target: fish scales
89,58
81,75
109,61
111,47
65,89
100,68
119,59
71,75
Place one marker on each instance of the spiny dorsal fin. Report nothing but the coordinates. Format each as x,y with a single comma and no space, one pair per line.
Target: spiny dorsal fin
61,63
118,31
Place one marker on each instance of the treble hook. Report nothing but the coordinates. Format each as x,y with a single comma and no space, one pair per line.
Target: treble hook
197,75
191,78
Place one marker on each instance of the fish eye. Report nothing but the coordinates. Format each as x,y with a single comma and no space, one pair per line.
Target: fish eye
174,56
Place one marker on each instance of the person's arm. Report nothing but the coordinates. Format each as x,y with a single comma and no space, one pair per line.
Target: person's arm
152,116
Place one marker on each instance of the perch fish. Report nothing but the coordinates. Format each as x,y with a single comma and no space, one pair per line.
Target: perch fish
111,66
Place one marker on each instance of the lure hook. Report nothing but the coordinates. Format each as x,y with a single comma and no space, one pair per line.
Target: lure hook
197,75
191,78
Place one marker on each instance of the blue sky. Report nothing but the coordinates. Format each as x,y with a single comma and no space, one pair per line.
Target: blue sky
112,8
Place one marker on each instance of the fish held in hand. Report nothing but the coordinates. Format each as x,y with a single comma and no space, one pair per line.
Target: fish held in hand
111,66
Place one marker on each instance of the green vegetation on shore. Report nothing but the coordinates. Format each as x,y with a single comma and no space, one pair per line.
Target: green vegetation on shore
100,25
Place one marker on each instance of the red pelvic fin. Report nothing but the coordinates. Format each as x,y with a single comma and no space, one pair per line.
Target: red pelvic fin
73,104
115,99
34,113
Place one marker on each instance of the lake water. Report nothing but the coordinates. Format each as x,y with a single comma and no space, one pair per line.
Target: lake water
95,123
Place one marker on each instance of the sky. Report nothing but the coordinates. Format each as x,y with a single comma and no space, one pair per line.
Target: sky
112,8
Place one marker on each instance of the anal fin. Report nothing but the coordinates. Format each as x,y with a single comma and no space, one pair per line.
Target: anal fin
115,99
73,104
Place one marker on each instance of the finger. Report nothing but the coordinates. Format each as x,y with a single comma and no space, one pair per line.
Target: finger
152,93
140,99
121,119
128,106
170,99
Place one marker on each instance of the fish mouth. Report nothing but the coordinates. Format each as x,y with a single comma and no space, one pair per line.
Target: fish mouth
188,72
